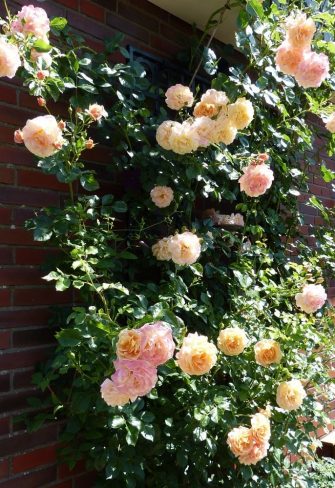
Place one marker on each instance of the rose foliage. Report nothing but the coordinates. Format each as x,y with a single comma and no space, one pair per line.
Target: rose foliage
198,351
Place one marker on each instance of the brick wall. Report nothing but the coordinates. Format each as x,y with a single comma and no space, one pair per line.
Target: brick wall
26,459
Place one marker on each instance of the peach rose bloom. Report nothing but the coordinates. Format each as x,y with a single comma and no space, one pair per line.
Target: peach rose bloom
330,123
184,138
260,426
96,112
45,57
163,133
290,395
129,344
32,20
215,97
134,378
197,356
179,96
161,249
9,59
157,344
42,136
184,248
300,30
288,58
313,70
111,395
267,352
240,440
257,453
312,298
223,131
232,341
257,178
162,196
240,113
204,127
203,109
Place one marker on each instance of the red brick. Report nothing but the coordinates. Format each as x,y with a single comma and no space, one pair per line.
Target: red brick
39,180
22,379
5,426
33,459
28,255
21,276
127,27
32,480
174,35
92,10
8,94
21,215
59,109
86,480
28,338
65,472
17,400
128,11
35,198
63,484
6,255
5,215
5,297
23,359
41,296
15,116
5,337
16,155
164,46
17,236
7,175
149,8
74,4
24,318
4,384
4,468
89,26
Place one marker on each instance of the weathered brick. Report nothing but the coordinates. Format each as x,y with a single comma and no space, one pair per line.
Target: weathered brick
22,379
164,46
7,175
20,276
31,480
5,297
4,384
26,255
34,337
130,12
65,472
133,30
40,296
22,359
6,255
5,339
91,9
5,215
32,459
34,198
24,318
38,179
4,468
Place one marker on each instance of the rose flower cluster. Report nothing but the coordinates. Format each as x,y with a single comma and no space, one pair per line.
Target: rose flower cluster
182,248
139,353
295,56
214,120
257,177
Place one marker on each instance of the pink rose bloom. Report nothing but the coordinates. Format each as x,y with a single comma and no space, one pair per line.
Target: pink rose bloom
157,343
42,136
96,112
313,70
215,97
204,127
111,395
18,138
32,20
311,299
45,57
288,58
257,178
9,59
134,378
258,451
179,96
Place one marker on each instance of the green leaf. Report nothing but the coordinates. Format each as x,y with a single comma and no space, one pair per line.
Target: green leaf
42,46
116,422
255,8
69,337
120,206
58,23
148,432
88,182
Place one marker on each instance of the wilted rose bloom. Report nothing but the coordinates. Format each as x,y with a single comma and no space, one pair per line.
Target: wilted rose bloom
290,395
204,127
46,57
215,97
18,136
267,352
257,178
240,113
89,144
311,299
111,395
32,20
179,96
163,133
129,344
9,59
203,109
232,341
157,344
330,123
196,356
161,196
134,378
96,112
223,131
184,138
300,30
257,452
41,101
42,136
313,70
240,440
161,249
184,248
260,426
288,58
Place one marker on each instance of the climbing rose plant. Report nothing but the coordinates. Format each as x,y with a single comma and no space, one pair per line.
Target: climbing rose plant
199,348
